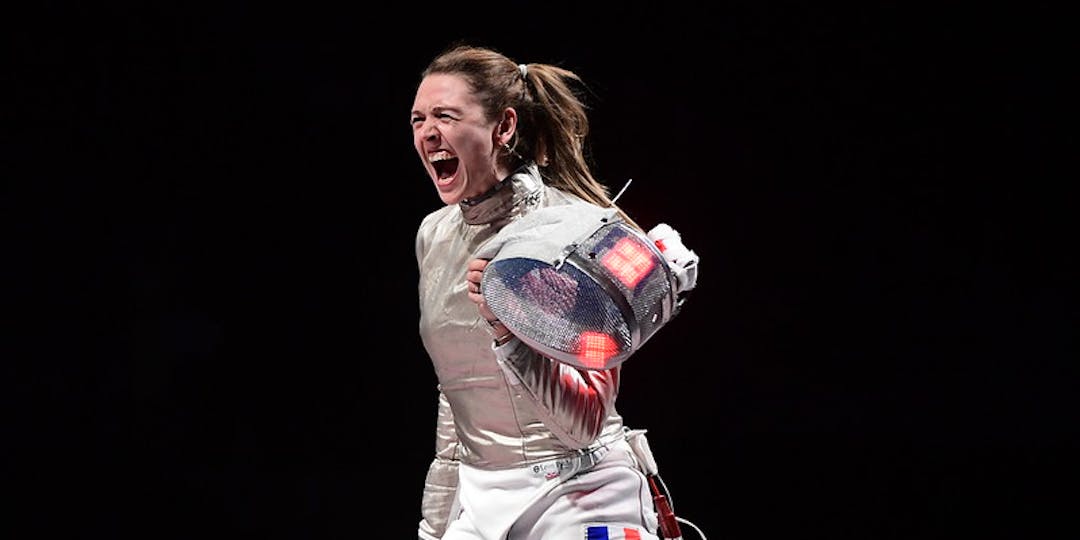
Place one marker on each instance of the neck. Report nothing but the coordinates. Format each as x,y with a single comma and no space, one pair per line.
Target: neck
472,201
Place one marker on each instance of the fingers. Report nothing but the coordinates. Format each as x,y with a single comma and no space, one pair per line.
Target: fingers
477,265
476,298
472,285
473,275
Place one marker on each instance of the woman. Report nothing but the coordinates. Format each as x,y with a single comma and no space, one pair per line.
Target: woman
526,447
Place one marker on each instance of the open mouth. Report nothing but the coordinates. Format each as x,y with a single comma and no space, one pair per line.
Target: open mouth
445,168
445,165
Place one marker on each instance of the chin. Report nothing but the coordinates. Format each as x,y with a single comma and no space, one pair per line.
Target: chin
453,196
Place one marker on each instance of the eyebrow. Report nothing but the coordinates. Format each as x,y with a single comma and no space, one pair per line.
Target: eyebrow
438,109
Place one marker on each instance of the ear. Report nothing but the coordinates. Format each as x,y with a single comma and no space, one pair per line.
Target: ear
507,126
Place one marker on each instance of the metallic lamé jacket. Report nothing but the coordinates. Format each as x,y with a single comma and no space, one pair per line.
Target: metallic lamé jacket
498,407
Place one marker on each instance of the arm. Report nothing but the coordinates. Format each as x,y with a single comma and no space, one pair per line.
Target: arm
574,403
439,503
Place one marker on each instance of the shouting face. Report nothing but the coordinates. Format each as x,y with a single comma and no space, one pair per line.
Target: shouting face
454,138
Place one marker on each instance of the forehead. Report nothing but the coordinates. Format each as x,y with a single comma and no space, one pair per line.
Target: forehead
445,91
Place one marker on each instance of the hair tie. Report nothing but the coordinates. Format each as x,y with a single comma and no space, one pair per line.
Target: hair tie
523,70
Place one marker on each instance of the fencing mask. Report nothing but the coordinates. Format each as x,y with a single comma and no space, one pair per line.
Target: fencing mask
582,286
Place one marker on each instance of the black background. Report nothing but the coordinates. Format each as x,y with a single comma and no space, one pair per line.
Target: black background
211,274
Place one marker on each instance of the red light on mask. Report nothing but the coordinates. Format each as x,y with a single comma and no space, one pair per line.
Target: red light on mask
595,349
629,261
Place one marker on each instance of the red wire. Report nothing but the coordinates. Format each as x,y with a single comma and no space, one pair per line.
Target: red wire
669,526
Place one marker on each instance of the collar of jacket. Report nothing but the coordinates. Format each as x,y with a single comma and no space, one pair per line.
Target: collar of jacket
512,196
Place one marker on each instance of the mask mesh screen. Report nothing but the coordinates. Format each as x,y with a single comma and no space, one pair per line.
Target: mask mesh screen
552,307
569,315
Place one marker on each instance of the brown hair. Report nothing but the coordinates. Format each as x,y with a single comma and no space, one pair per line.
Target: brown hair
552,118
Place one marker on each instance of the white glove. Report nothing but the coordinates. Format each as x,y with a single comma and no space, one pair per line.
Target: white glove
683,261
640,446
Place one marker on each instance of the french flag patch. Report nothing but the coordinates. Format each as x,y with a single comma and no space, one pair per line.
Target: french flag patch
605,532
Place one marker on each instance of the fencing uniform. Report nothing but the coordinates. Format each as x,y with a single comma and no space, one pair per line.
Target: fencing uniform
525,447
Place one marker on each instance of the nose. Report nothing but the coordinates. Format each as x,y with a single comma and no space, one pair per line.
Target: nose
428,132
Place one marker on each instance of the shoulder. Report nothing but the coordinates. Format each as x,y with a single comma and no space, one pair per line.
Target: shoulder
554,196
432,223
434,218
558,210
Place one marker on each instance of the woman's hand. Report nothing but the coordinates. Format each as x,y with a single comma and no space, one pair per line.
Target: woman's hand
474,272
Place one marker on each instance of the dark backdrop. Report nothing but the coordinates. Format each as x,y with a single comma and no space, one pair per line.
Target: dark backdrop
213,280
